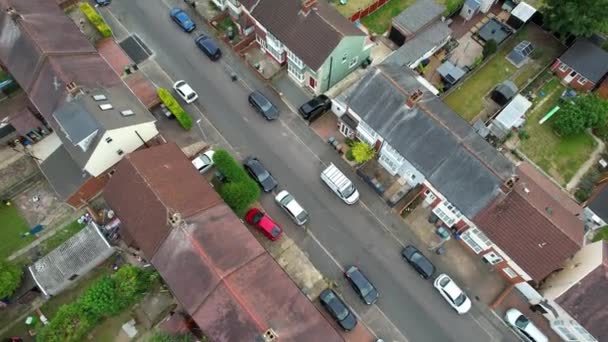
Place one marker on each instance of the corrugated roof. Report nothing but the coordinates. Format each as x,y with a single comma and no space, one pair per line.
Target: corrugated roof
311,37
416,16
75,257
422,43
587,59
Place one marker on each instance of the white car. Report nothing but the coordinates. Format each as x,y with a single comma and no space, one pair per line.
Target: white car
185,91
204,161
292,207
524,327
452,294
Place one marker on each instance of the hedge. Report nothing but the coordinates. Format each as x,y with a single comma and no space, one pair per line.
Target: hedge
180,114
239,191
96,19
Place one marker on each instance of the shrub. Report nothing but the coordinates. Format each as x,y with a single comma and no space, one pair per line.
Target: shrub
349,155
70,324
176,109
10,278
228,166
96,19
362,152
238,191
489,48
523,135
166,337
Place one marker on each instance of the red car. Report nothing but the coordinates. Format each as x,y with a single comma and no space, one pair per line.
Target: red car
264,223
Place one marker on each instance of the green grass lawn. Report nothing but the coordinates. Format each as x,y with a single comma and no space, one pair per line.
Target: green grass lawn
12,225
352,6
560,157
468,98
379,21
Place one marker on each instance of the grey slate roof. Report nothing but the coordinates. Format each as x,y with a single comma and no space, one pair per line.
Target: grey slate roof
415,48
312,37
77,256
76,121
599,203
62,172
433,138
419,14
587,59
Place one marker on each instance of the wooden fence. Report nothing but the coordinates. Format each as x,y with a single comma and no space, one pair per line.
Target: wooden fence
369,10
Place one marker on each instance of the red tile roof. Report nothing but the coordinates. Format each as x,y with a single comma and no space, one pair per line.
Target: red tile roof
113,54
143,89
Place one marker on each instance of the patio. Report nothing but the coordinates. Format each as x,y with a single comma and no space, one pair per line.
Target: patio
261,62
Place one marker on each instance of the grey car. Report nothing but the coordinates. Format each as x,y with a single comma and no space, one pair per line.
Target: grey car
338,309
418,261
260,174
263,106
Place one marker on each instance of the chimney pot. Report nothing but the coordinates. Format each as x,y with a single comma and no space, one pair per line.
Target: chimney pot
307,6
12,12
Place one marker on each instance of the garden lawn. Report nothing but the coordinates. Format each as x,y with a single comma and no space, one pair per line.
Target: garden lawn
352,6
12,225
560,157
468,98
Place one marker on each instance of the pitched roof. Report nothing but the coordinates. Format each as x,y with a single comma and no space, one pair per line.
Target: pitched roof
62,172
77,256
587,302
311,37
598,202
416,16
442,146
535,224
587,59
422,43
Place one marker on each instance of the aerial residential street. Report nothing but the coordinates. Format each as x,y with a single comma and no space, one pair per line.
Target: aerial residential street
409,308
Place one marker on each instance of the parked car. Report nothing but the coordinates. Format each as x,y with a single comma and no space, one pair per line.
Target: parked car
524,327
452,293
182,19
292,207
209,47
102,3
263,106
264,223
184,91
315,107
418,261
260,174
204,161
338,309
362,285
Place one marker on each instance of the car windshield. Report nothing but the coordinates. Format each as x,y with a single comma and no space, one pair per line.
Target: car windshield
275,231
205,159
522,322
257,217
303,216
265,105
286,200
348,191
191,95
262,174
183,17
460,299
444,281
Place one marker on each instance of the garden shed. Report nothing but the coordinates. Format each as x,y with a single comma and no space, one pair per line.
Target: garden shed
450,73
494,30
513,115
520,15
520,53
504,92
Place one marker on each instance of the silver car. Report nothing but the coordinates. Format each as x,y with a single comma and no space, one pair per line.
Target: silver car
292,207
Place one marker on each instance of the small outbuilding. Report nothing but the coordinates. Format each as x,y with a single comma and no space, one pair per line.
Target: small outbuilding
520,15
469,9
512,116
519,55
504,92
450,73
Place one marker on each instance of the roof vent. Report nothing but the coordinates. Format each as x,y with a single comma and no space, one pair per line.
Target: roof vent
105,106
127,112
526,190
270,335
99,97
549,210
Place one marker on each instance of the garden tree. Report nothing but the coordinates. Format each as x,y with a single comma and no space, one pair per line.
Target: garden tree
579,114
362,152
581,18
132,281
70,324
239,191
10,278
489,48
102,299
166,337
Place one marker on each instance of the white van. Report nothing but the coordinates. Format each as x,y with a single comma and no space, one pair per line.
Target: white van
340,184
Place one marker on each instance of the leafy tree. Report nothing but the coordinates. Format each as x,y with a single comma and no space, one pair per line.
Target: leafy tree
362,152
166,337
489,48
10,278
240,195
581,18
70,324
101,299
132,281
579,114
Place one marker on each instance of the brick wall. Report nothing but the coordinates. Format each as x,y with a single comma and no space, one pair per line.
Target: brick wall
562,70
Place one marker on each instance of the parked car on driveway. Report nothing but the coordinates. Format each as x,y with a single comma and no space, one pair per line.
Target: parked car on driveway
204,161
263,106
209,47
264,223
292,207
524,327
184,91
452,294
260,174
362,285
182,19
418,261
315,107
338,309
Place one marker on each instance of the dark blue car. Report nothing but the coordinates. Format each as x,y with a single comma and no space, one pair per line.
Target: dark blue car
209,47
182,19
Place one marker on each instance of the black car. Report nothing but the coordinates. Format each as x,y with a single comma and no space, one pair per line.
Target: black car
102,3
315,107
362,285
263,106
258,172
209,47
336,307
418,261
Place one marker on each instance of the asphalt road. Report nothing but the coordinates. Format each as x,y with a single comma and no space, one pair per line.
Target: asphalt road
409,308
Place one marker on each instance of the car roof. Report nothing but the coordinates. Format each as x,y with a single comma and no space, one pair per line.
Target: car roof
452,289
330,297
198,162
267,223
355,274
185,87
208,43
255,165
258,96
294,207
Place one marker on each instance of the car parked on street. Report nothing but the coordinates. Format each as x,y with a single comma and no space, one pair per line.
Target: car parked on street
452,293
184,91
419,262
263,106
292,207
338,309
264,224
364,288
524,327
315,107
182,19
209,47
204,161
102,3
260,174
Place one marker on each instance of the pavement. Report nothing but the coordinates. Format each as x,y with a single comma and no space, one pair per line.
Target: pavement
367,234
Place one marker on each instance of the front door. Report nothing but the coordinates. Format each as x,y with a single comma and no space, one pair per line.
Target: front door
570,76
312,82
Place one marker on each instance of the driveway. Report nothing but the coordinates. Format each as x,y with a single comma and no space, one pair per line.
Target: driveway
337,235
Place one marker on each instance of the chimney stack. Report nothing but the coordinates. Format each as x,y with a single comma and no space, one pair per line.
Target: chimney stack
12,12
307,6
72,88
414,98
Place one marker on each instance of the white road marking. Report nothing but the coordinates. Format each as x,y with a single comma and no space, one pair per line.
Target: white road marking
483,327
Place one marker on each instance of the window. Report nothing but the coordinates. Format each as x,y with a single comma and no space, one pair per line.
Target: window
566,334
344,58
509,272
563,67
120,152
293,58
108,140
354,61
128,112
105,106
295,71
492,258
99,97
429,197
447,213
475,239
582,80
